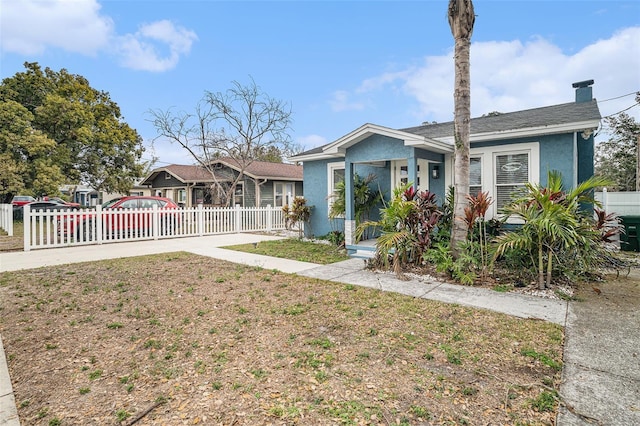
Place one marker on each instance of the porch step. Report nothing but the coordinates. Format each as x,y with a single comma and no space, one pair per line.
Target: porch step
363,254
361,251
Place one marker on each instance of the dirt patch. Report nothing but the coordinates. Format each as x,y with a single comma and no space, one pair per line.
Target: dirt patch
183,339
13,243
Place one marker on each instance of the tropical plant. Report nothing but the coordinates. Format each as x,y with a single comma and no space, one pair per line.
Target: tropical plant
609,225
443,230
297,215
463,269
475,214
553,225
406,226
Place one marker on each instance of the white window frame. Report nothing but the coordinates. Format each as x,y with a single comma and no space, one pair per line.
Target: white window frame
235,196
287,197
488,176
182,195
331,167
482,166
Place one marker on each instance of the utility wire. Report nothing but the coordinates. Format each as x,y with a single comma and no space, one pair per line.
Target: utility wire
618,97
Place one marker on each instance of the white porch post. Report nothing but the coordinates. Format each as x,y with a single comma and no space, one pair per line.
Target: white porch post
349,216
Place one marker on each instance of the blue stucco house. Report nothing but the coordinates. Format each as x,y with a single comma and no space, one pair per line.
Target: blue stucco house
507,150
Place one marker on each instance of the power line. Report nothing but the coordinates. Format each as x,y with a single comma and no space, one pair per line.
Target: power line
626,109
618,97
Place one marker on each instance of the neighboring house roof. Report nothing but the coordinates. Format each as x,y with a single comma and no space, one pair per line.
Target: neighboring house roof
184,173
256,170
267,170
563,118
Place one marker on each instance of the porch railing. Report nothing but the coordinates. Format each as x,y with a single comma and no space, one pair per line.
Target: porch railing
59,228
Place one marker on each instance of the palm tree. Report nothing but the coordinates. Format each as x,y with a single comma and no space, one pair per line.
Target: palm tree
553,223
461,20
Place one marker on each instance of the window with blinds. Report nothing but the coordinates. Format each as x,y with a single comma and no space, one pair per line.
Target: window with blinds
512,172
475,176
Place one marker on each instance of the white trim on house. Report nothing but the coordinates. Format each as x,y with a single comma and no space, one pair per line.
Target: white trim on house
330,184
528,132
337,149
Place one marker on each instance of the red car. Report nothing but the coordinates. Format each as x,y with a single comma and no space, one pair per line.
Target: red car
123,216
66,203
21,200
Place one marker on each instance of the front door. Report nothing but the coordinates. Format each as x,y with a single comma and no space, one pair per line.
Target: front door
400,174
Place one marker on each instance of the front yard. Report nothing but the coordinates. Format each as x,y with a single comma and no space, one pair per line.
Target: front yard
182,339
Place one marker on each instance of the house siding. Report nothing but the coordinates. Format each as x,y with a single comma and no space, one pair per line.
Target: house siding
161,182
249,192
585,157
315,176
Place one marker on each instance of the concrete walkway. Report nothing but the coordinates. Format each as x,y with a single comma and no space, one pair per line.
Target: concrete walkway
577,320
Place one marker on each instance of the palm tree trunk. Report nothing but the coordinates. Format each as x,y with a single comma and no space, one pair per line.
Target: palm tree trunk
461,20
540,267
549,267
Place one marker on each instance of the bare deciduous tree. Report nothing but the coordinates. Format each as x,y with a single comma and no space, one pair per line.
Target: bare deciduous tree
239,125
461,20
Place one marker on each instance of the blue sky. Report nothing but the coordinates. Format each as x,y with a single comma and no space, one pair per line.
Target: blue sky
339,64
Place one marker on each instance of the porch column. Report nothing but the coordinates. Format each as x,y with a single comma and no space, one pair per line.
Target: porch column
412,171
349,216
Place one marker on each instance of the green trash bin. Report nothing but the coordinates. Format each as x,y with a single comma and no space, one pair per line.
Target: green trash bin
630,240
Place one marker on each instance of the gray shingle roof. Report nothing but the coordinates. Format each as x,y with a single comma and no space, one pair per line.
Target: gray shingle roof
572,112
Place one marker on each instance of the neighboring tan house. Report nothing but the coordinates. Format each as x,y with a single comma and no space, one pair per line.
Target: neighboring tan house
507,150
264,183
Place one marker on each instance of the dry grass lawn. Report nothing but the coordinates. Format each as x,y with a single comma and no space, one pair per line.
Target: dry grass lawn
180,339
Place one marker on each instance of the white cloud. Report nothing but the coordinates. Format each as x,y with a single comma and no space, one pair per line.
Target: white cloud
341,101
513,75
142,50
31,27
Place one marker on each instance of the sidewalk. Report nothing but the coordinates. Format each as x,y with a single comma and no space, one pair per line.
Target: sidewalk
601,379
601,374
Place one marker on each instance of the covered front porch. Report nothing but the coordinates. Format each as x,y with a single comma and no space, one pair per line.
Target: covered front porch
396,158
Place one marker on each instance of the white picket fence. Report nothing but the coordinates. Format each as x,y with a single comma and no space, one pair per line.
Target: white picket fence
621,203
48,229
6,218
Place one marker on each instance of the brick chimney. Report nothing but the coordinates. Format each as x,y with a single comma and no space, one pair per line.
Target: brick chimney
583,91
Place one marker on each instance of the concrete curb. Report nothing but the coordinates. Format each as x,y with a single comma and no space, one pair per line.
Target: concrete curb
8,411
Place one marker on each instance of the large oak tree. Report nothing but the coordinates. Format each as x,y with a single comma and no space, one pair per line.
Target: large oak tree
65,132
